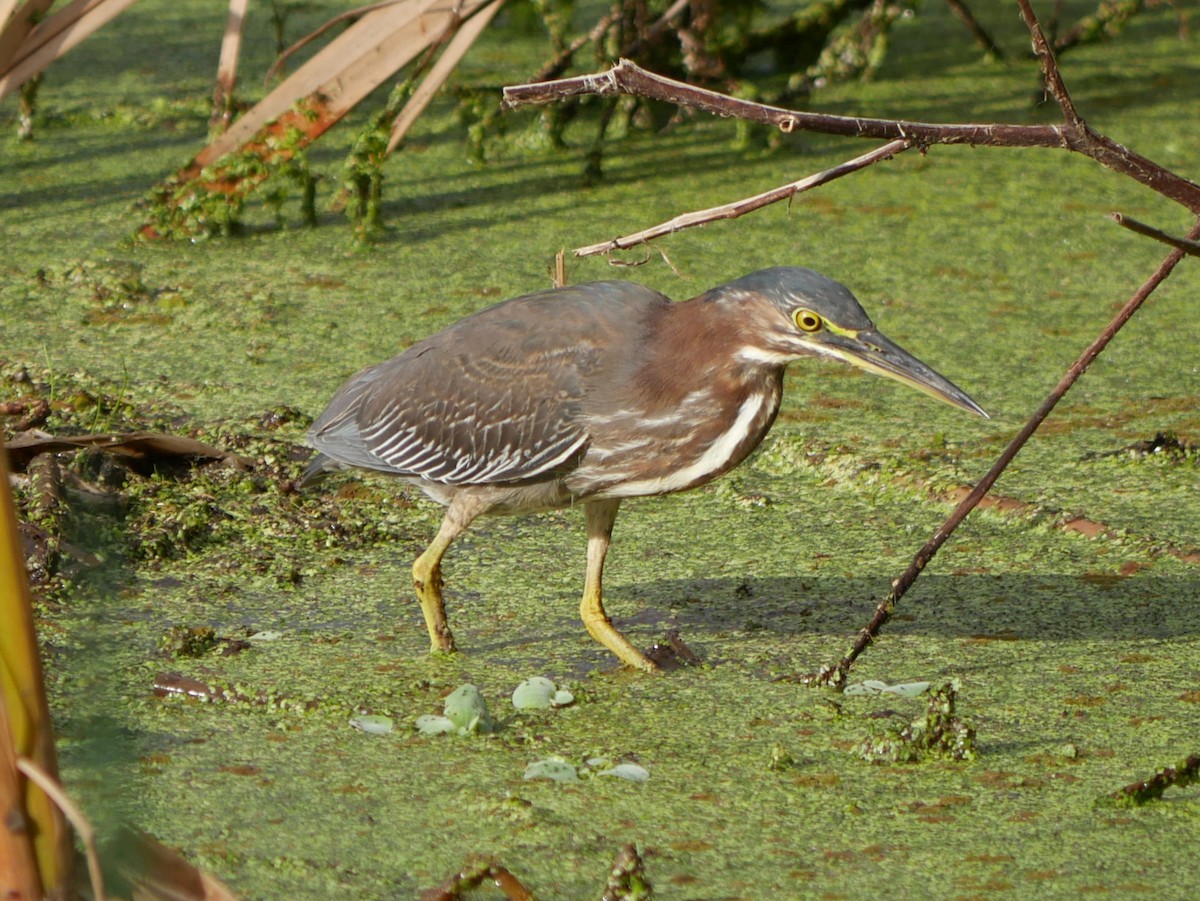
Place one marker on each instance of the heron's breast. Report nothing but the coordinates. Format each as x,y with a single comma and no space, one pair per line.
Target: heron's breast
635,455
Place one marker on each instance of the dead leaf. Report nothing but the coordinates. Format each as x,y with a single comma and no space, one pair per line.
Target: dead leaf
141,447
156,873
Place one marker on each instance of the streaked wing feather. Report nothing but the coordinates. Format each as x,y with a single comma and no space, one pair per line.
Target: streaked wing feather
494,398
459,419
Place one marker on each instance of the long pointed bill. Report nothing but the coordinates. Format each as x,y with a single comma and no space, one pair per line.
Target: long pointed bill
870,350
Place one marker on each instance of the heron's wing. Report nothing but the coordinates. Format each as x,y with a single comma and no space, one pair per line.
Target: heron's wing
494,398
463,417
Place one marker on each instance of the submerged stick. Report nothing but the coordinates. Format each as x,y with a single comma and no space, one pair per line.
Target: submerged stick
472,877
837,675
1183,774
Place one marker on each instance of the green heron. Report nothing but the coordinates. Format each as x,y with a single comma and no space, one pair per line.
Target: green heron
590,394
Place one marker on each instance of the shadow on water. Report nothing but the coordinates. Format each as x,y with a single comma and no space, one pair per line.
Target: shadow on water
1022,607
1050,607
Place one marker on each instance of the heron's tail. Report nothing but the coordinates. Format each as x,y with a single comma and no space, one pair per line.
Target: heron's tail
319,467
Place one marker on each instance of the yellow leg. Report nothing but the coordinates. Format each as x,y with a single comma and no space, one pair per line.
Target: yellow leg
427,571
600,518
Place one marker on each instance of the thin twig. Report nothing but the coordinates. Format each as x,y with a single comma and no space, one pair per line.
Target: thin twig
54,791
964,15
1045,55
1188,247
748,204
837,674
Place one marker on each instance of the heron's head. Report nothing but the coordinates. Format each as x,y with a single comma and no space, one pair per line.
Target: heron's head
796,312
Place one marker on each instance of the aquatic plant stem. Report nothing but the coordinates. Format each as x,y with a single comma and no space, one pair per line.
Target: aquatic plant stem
837,675
1184,773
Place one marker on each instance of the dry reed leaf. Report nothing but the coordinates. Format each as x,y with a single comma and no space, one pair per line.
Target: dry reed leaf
468,33
18,865
24,57
341,74
156,873
15,25
231,48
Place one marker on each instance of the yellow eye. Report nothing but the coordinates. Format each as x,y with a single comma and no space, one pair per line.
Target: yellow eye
807,320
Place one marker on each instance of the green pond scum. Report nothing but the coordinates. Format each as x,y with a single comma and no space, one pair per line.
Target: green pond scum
1068,616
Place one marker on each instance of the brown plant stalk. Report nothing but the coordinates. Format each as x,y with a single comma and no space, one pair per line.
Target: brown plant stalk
1072,134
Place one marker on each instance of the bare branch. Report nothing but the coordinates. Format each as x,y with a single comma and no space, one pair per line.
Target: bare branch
1188,247
1074,134
628,78
748,204
1045,55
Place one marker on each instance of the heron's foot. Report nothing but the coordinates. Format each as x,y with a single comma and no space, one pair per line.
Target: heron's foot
427,583
600,627
636,659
